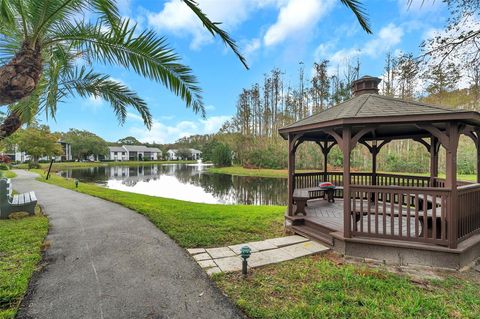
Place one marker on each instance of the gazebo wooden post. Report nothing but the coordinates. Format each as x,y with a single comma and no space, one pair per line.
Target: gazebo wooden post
325,151
374,152
451,182
477,144
433,160
291,172
347,209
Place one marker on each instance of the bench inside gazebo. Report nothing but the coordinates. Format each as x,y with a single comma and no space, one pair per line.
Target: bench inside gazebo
395,218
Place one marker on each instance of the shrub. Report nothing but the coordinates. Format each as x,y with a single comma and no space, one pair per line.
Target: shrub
267,158
3,167
33,165
221,155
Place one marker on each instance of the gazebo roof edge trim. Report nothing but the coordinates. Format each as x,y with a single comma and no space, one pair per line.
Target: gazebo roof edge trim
373,98
464,115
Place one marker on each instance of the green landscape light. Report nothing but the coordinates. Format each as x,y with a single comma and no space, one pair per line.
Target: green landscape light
76,183
245,252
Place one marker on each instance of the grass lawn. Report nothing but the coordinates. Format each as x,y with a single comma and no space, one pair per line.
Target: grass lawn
7,174
317,287
258,172
192,224
63,165
20,252
283,173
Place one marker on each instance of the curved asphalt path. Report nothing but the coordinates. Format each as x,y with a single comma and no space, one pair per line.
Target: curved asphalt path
106,261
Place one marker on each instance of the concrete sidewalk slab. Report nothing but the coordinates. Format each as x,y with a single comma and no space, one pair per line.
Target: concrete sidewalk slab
265,252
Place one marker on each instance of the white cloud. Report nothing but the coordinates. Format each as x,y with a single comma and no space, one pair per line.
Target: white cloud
163,133
252,46
296,16
95,100
386,39
176,17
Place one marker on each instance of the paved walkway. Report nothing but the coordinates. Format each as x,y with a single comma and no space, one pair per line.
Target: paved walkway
265,252
106,261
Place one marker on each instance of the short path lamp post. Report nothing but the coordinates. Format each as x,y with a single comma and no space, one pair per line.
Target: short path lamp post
245,252
76,183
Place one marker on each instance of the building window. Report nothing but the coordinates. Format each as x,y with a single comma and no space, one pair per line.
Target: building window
114,153
123,153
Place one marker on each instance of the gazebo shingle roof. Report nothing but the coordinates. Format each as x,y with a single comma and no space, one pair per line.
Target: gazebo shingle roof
373,105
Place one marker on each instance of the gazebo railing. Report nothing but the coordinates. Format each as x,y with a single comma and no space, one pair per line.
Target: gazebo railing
312,179
418,214
468,211
406,207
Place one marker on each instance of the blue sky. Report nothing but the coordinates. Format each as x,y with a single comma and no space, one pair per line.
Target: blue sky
271,33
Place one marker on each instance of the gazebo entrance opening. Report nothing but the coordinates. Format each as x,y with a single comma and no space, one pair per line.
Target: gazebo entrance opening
426,210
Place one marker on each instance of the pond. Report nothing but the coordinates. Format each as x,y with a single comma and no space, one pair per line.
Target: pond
190,182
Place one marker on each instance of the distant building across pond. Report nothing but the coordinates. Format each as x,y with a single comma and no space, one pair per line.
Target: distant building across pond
184,154
134,153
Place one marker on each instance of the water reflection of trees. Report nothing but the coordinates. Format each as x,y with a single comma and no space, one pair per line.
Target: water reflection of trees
245,189
226,188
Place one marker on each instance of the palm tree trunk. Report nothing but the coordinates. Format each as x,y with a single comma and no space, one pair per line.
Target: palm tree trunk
20,76
18,79
10,125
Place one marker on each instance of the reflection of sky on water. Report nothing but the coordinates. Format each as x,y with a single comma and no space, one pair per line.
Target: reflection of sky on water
166,186
186,182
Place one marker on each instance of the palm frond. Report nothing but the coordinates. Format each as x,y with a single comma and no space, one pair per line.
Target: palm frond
29,107
45,13
86,83
359,11
108,11
7,12
145,53
214,29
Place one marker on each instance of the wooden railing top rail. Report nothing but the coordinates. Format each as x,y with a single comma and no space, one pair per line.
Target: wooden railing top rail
402,189
459,182
468,188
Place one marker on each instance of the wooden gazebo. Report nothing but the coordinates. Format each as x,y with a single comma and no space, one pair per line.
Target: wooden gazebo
411,213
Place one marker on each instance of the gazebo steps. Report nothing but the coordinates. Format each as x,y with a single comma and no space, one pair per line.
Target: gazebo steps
312,233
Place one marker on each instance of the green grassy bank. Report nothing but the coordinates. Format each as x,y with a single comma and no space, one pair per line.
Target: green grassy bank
64,165
20,252
192,224
317,287
7,174
283,173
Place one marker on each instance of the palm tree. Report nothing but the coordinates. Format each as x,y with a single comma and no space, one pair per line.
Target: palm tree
47,52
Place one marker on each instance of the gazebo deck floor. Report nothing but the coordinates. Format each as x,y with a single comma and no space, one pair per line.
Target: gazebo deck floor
330,217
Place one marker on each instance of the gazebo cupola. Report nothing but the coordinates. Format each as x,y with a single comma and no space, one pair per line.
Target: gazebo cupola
365,85
407,208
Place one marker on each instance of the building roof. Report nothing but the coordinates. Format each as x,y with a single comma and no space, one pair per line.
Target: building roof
140,148
116,149
377,109
192,150
134,148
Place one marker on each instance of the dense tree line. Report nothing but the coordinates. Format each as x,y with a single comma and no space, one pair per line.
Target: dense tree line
265,107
